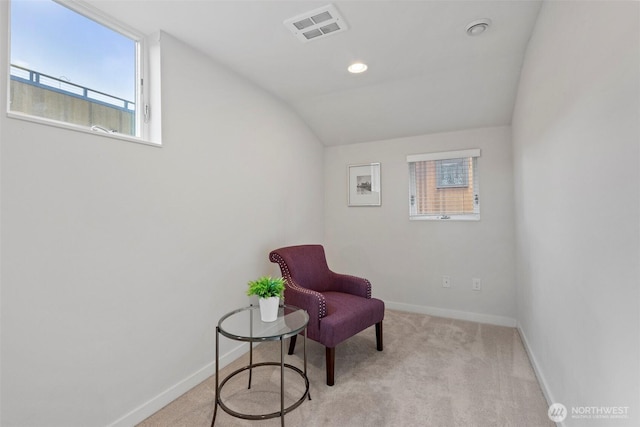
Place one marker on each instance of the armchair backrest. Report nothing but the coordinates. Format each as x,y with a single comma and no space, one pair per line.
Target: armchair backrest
306,264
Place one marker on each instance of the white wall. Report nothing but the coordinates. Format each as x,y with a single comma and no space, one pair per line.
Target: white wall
119,258
576,149
405,260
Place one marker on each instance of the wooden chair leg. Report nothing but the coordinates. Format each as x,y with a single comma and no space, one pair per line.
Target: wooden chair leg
292,344
331,363
379,336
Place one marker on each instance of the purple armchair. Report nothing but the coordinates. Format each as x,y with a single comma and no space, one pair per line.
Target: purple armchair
339,305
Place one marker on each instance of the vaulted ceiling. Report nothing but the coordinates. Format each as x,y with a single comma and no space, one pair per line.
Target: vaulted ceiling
425,73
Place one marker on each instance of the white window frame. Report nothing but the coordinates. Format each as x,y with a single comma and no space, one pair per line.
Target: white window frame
474,154
147,117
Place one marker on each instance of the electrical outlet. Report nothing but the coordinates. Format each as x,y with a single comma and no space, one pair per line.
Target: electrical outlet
476,284
446,282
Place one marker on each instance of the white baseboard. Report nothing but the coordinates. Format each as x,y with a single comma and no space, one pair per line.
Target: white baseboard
453,314
536,369
152,406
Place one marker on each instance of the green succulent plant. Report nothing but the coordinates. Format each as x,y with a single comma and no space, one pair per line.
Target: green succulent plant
266,287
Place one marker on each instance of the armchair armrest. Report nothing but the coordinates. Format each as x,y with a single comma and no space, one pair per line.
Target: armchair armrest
350,285
307,299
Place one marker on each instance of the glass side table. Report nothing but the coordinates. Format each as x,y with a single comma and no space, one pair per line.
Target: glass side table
244,324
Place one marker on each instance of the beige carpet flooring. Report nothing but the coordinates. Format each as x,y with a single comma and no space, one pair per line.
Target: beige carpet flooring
433,372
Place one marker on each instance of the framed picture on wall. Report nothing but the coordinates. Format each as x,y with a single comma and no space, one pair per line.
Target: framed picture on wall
363,184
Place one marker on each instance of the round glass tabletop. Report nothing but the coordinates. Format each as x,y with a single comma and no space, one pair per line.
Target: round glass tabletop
244,324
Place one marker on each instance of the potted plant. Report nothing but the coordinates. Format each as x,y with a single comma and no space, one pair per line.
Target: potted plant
269,291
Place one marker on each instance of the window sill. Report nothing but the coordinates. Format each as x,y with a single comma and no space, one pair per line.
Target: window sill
78,128
440,218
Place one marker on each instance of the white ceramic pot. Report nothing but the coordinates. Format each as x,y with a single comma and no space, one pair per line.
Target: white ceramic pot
269,308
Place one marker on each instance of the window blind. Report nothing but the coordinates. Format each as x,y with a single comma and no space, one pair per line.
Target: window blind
444,185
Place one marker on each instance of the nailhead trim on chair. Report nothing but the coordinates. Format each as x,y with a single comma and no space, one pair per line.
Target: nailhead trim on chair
322,303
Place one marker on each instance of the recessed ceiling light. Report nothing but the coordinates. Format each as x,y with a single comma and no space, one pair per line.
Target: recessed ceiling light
358,67
478,27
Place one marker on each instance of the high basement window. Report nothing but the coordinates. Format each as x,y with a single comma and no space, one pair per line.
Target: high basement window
71,66
444,186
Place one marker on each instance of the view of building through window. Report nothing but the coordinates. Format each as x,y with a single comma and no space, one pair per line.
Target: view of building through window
67,67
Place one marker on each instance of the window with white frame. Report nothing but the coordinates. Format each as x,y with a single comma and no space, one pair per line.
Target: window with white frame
72,66
444,185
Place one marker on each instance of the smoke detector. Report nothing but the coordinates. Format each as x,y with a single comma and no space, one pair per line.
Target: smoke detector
316,24
478,27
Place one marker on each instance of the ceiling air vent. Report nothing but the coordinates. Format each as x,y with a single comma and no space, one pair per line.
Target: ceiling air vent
316,24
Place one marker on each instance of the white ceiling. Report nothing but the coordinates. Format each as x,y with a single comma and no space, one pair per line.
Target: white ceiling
425,74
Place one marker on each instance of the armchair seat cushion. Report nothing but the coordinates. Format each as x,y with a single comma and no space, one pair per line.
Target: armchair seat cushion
348,315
